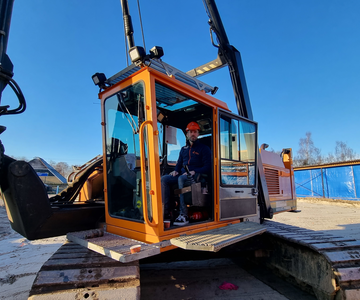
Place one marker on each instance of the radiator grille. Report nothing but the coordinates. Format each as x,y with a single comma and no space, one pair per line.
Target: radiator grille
272,181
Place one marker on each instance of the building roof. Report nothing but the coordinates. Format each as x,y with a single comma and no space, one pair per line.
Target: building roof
43,169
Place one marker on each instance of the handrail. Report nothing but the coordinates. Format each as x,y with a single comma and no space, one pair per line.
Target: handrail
142,162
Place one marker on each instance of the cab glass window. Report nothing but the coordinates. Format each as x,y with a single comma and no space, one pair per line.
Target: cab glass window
237,151
124,114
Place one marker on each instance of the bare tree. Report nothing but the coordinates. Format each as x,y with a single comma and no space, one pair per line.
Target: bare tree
307,154
275,151
343,152
62,167
330,158
52,163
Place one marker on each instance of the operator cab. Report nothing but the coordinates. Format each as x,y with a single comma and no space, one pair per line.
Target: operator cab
145,113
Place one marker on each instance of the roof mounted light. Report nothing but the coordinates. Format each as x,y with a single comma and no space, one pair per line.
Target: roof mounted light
214,90
99,79
156,52
138,55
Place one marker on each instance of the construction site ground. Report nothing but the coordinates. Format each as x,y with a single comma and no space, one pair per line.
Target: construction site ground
21,259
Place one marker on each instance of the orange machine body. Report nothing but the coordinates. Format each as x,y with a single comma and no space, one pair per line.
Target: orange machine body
140,216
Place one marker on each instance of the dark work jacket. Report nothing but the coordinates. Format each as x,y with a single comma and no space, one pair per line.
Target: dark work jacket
197,157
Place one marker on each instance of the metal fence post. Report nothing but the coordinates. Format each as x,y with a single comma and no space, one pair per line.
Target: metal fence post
322,182
353,177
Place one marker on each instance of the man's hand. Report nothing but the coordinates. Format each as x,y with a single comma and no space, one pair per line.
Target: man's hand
173,173
192,173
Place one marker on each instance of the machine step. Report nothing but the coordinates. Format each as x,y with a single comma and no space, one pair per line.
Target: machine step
216,239
114,246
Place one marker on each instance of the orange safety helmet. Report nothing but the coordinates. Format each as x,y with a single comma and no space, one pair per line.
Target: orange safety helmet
192,126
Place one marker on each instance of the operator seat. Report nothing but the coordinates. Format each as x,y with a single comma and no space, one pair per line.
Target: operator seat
194,194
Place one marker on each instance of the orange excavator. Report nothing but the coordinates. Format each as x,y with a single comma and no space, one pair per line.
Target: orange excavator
145,109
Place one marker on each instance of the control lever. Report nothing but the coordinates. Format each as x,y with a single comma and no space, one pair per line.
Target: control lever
188,173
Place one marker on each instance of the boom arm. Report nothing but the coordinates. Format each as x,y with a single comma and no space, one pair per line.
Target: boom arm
230,56
227,55
6,66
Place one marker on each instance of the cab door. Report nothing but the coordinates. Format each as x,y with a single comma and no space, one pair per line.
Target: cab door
237,167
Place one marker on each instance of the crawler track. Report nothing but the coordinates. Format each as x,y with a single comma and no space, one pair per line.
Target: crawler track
329,264
75,272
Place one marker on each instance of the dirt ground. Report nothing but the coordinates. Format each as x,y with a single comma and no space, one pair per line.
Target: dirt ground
336,217
21,259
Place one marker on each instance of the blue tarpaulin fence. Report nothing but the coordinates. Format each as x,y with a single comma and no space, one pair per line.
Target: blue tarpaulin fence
339,182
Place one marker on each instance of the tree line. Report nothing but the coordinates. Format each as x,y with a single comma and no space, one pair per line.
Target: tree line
62,167
308,154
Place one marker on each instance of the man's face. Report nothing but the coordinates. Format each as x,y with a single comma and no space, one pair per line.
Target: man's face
192,135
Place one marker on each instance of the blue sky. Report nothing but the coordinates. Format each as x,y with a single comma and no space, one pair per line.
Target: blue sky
301,61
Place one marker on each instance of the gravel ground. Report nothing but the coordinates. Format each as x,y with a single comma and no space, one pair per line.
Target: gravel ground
336,217
21,259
